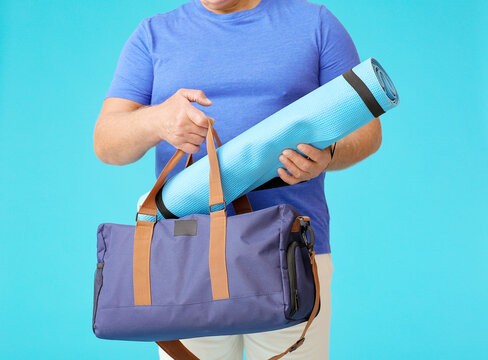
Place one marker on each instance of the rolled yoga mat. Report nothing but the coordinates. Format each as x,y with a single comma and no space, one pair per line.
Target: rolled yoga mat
319,118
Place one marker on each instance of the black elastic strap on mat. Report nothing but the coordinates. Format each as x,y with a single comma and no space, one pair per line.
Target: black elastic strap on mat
363,91
273,183
162,209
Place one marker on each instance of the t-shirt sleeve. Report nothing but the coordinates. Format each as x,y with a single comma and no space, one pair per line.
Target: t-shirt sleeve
338,53
133,78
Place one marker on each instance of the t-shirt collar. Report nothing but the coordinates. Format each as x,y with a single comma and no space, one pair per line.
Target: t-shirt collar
230,16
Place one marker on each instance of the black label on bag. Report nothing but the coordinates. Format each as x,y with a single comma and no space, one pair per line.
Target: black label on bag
185,227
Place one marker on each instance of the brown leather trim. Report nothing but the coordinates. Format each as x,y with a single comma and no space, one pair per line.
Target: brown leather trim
143,238
241,204
215,181
315,309
218,225
178,351
218,222
142,255
149,207
296,224
216,258
189,160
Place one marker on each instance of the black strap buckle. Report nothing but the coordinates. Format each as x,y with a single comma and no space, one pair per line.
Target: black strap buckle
297,344
304,228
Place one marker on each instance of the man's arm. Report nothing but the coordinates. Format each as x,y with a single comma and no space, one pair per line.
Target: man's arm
125,129
357,146
350,150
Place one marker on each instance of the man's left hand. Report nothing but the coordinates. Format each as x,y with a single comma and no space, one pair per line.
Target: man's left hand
302,168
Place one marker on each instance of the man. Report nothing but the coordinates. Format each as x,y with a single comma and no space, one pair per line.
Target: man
237,61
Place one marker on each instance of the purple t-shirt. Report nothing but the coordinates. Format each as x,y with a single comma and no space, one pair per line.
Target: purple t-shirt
251,64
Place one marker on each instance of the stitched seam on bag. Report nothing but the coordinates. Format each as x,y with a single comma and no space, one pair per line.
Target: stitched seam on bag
197,303
104,245
281,264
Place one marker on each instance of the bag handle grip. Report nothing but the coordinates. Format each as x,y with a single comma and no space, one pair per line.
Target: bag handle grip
149,207
218,230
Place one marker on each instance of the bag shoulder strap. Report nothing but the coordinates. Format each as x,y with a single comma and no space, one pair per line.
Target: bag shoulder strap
178,351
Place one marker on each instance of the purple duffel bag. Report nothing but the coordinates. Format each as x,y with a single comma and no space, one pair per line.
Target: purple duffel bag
205,274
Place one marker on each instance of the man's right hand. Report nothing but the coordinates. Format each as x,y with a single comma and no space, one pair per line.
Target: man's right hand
180,123
126,129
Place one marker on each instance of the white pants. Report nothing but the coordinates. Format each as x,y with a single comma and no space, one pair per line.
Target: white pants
262,346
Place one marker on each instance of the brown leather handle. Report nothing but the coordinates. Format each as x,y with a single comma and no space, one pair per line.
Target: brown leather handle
149,207
241,204
216,194
218,230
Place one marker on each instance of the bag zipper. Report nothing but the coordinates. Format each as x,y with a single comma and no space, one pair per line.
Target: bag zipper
292,276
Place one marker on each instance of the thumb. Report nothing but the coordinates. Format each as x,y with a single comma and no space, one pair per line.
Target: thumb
197,96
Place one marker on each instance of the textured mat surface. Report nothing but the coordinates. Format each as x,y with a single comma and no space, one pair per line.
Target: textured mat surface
320,118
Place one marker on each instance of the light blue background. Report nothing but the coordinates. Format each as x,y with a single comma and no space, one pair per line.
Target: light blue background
409,228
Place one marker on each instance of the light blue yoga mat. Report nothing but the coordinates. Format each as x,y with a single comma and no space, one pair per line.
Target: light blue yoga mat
319,118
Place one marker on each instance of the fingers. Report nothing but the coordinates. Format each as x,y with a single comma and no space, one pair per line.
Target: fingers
185,126
294,169
297,161
189,148
300,167
195,96
198,121
191,139
289,179
312,152
186,135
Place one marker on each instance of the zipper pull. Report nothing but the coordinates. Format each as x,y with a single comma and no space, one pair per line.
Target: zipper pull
297,306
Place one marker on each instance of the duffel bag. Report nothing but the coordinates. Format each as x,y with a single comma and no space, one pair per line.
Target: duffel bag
205,274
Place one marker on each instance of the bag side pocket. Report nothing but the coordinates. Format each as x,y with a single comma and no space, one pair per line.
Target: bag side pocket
301,283
292,277
97,288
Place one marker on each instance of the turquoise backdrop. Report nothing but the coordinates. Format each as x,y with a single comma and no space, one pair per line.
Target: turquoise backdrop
409,229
